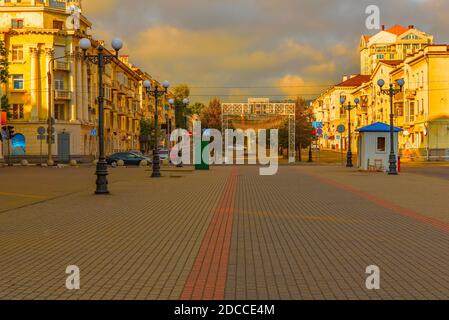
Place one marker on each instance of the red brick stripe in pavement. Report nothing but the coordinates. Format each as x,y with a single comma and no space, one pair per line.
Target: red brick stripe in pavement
441,225
207,278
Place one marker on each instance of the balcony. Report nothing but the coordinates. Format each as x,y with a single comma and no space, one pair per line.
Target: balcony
63,95
61,65
410,94
364,109
115,85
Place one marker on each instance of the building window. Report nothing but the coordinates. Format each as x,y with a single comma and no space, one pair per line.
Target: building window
17,80
58,25
17,23
17,53
17,112
381,144
59,83
60,112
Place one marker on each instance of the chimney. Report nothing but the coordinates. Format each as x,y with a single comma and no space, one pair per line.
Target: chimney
411,26
383,27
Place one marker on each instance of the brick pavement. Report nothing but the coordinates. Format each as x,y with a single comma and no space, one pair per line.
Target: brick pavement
290,236
296,237
138,243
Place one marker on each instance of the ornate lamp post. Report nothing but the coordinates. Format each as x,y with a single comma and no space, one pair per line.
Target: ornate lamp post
101,59
156,92
349,107
392,91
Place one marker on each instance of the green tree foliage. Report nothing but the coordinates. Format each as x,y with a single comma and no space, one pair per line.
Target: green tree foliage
147,134
211,115
303,133
196,108
180,92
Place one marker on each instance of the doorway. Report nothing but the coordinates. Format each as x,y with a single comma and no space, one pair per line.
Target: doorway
64,147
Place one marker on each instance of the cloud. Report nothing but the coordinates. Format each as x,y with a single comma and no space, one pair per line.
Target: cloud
327,68
100,7
252,43
296,86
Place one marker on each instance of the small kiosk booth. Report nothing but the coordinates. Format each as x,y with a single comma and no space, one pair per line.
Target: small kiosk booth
374,146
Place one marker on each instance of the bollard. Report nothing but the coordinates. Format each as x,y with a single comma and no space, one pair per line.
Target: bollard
399,164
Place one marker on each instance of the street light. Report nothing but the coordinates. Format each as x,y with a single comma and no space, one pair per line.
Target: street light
101,60
392,91
156,92
349,107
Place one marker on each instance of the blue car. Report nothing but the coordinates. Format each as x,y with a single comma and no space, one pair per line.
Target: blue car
129,158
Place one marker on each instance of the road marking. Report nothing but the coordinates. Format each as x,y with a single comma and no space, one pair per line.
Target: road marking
438,224
207,279
21,195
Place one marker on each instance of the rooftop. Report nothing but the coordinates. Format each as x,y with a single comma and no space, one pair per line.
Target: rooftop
354,81
378,127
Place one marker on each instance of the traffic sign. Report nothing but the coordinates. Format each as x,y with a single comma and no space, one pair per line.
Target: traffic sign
319,132
317,125
4,119
41,137
4,134
341,128
93,132
41,131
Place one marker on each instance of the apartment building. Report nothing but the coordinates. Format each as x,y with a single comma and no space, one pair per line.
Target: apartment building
43,45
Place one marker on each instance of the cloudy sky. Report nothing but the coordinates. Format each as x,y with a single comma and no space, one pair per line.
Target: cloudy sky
239,48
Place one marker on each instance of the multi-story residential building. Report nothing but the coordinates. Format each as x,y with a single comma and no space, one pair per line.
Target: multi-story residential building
43,46
35,34
421,110
328,109
390,44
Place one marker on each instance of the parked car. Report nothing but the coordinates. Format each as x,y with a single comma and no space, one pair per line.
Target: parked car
129,158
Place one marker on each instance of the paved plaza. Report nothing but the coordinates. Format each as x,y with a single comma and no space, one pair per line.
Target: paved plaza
308,232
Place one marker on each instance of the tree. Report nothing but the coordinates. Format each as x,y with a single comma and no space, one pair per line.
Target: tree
180,92
196,108
303,124
4,76
211,115
147,134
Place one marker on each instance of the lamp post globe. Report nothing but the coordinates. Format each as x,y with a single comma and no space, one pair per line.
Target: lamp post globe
186,101
401,82
117,44
147,84
381,83
166,84
85,44
356,100
171,101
